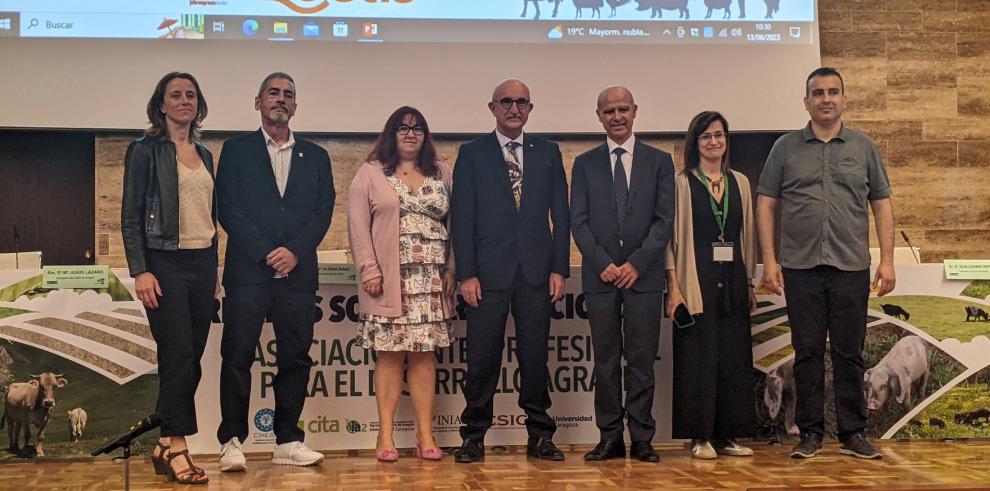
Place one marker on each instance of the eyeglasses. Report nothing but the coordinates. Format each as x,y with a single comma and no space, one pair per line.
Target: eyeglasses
707,137
507,102
405,129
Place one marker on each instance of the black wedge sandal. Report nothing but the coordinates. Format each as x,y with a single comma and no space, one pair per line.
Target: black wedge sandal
190,475
159,462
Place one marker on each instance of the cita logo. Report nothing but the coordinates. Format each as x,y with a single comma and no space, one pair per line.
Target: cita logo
264,420
316,6
321,424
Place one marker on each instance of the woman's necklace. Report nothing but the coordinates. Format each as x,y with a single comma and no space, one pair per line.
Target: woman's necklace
716,184
713,183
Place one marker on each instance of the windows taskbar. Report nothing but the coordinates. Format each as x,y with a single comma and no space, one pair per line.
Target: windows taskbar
233,27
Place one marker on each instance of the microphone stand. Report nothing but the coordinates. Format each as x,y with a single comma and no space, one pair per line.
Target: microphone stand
126,459
913,253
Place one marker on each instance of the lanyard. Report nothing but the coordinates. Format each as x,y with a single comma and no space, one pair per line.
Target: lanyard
721,216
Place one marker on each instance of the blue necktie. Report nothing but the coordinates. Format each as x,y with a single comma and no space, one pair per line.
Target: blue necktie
621,187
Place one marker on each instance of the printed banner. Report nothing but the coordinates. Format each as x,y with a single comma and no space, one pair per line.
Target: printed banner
97,345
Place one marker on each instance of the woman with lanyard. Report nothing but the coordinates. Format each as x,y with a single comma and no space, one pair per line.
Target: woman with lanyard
710,263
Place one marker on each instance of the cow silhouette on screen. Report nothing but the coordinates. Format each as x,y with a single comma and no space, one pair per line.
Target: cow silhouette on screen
614,4
718,4
594,5
656,7
536,5
773,6
973,312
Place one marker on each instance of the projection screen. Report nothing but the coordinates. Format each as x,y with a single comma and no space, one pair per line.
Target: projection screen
93,64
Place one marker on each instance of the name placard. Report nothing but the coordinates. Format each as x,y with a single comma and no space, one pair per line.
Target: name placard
85,276
338,274
967,269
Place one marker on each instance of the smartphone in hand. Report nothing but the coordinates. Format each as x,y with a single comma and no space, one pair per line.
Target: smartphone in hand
682,318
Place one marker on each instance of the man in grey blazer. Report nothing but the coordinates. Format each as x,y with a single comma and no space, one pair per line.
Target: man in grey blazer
622,214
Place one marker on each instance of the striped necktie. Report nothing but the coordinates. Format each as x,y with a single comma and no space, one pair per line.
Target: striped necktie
515,172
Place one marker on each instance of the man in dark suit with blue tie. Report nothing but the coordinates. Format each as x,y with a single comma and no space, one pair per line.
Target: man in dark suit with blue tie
275,198
622,211
508,190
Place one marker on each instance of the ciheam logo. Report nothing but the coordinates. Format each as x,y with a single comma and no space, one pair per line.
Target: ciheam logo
250,27
316,6
264,420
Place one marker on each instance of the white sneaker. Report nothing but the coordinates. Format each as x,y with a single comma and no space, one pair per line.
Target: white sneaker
295,453
231,456
731,447
702,449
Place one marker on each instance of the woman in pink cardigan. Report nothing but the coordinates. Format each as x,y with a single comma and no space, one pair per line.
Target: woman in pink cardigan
397,217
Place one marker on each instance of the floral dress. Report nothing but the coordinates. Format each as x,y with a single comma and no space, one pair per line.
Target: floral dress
423,243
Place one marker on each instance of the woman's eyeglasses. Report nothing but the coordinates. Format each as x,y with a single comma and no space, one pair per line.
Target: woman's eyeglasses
405,129
707,137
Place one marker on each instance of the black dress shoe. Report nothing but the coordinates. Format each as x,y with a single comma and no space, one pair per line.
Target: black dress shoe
607,449
643,451
470,451
543,449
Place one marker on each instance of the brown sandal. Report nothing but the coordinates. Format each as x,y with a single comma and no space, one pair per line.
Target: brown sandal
159,461
190,475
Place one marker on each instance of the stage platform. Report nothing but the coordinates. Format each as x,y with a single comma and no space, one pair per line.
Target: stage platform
959,465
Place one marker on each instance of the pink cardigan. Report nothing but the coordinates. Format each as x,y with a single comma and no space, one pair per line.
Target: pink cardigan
373,230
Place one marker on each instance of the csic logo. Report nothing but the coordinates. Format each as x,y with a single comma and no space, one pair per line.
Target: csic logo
315,6
264,420
509,420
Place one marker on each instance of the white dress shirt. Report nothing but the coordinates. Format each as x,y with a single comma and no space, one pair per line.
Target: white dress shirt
503,140
281,159
627,158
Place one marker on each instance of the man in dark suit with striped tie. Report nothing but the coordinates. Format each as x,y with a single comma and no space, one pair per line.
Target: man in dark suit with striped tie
622,211
509,188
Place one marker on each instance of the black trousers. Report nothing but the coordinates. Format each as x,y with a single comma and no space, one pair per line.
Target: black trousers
827,302
624,323
531,309
180,326
292,316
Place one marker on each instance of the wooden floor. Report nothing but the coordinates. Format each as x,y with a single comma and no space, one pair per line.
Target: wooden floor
917,465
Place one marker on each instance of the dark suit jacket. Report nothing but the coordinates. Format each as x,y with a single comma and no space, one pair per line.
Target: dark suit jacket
648,224
258,220
490,237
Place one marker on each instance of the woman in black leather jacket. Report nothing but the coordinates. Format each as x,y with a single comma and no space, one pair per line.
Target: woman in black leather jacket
168,222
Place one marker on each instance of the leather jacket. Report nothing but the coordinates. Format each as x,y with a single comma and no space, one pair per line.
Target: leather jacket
149,212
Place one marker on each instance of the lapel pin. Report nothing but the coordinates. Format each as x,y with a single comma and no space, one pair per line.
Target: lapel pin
300,154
